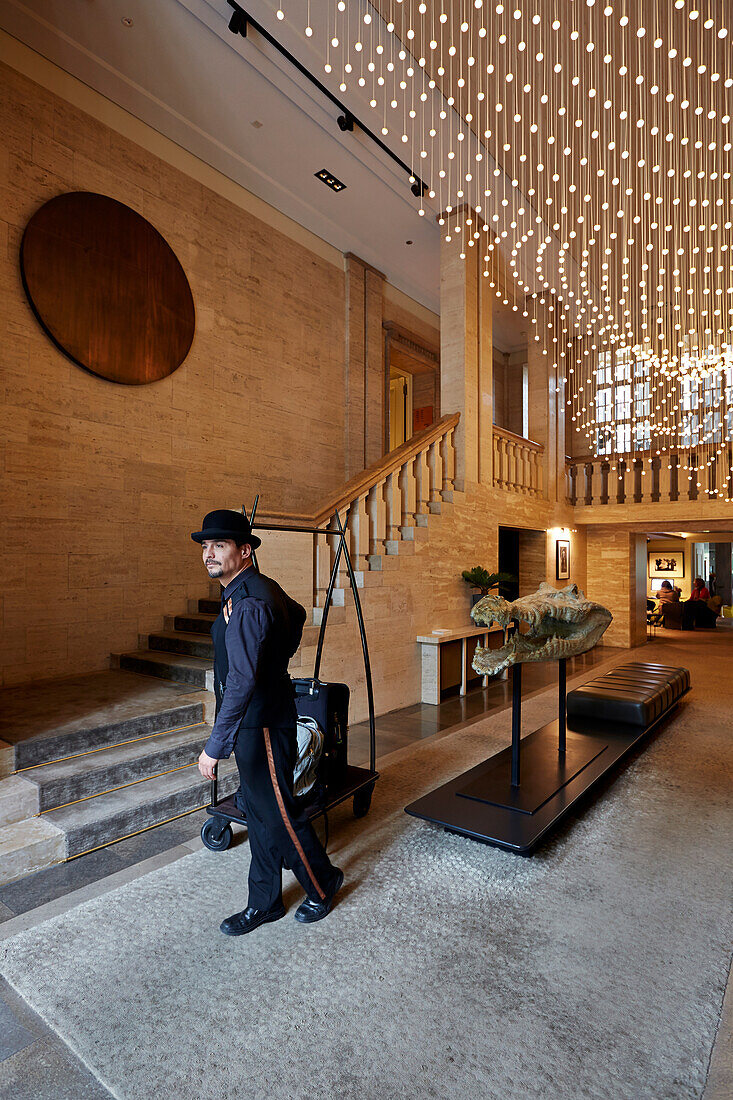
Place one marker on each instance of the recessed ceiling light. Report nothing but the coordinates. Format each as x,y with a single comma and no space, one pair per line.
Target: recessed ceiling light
330,180
257,124
408,242
127,21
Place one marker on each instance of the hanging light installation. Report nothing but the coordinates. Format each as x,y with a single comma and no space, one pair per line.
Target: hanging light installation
589,145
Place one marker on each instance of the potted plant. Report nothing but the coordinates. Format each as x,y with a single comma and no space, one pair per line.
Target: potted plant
480,578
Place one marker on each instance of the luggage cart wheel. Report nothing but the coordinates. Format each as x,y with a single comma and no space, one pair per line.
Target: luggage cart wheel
216,838
362,801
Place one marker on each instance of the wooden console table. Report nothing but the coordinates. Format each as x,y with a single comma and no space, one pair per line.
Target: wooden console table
439,673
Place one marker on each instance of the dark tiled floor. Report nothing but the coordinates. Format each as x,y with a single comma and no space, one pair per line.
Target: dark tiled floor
34,1063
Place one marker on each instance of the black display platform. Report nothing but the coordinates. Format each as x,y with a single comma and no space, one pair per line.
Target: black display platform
544,771
512,828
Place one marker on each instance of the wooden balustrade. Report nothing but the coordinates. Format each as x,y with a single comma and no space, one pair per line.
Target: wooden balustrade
649,478
518,463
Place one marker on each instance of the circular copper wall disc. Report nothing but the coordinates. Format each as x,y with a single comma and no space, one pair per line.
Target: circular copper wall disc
107,288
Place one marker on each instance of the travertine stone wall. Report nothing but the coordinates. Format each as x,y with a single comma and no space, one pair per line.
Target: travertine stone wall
616,565
417,592
103,483
533,565
466,362
364,366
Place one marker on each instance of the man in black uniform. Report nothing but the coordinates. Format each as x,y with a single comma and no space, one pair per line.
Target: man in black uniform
255,635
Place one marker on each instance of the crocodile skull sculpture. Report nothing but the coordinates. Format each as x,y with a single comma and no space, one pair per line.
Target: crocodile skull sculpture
562,623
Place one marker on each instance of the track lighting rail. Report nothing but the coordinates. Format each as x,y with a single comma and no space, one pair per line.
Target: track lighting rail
239,23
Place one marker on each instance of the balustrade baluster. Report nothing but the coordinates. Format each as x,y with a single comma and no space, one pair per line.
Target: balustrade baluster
323,557
512,464
435,468
693,476
448,454
408,492
523,468
377,509
422,489
359,527
664,478
629,481
588,467
653,470
572,487
393,505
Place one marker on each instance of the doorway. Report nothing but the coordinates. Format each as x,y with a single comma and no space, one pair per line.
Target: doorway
509,561
400,407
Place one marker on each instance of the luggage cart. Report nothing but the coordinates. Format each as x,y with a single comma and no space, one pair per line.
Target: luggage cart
356,783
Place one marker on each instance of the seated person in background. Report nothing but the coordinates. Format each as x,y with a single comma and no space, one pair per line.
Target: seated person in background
670,606
695,611
668,594
699,591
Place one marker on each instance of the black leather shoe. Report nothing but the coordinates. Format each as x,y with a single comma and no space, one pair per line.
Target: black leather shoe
239,924
311,911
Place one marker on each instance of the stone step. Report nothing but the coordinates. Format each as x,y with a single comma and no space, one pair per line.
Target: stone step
179,641
95,773
52,745
382,563
399,546
18,799
193,623
27,846
310,635
335,615
414,534
96,822
170,666
209,607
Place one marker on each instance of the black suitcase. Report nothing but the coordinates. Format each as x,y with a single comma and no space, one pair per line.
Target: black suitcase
329,705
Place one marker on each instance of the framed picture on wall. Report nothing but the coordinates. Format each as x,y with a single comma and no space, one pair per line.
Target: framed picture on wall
666,563
562,553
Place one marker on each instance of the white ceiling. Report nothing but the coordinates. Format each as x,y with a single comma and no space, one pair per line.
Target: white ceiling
180,70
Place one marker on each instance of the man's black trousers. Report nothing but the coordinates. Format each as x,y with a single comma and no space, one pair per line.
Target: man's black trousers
278,834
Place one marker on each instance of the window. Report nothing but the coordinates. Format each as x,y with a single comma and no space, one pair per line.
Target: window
622,403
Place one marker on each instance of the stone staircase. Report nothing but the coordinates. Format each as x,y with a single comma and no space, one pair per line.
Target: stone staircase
184,651
80,784
77,788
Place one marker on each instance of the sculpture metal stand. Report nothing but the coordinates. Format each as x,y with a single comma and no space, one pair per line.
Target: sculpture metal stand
514,797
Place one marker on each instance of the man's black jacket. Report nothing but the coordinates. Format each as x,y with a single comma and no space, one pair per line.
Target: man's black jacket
256,633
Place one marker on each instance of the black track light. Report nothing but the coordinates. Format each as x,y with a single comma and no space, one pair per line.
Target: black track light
418,189
346,122
238,23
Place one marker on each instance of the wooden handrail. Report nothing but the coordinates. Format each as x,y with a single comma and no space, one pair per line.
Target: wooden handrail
368,477
513,438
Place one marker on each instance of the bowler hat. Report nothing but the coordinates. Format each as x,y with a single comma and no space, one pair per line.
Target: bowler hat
226,524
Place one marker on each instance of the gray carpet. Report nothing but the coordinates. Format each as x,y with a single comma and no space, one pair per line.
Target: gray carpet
594,969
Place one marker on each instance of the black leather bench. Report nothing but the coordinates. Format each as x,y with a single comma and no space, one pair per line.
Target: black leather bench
636,694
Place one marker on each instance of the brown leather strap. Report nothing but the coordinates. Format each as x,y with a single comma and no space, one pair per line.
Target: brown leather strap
283,813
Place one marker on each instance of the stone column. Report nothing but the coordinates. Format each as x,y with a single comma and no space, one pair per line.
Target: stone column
466,361
365,385
616,578
543,418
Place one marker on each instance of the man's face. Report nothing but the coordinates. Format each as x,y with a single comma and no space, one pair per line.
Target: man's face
224,559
